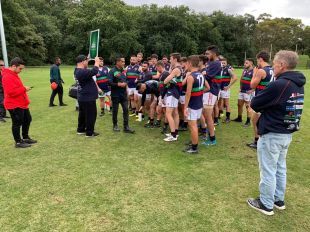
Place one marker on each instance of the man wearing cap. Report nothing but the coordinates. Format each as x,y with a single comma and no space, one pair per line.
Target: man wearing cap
56,77
87,96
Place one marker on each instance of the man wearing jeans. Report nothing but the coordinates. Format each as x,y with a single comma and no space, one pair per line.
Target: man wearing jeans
16,101
280,105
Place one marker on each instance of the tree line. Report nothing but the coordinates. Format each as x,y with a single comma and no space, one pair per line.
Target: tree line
40,30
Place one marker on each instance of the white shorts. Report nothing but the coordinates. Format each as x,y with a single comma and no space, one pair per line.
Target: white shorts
209,99
171,102
161,102
182,99
148,97
131,91
245,96
225,94
193,115
104,94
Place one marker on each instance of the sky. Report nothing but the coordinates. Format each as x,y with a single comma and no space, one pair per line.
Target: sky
284,8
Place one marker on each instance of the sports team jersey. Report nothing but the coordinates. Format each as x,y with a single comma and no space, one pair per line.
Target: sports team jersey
153,70
152,87
225,77
162,88
102,79
183,88
196,102
179,79
167,67
263,83
213,76
246,80
132,75
173,88
144,77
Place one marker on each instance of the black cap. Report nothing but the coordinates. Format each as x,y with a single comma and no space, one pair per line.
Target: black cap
81,58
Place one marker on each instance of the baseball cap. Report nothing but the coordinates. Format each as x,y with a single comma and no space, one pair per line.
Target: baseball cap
81,58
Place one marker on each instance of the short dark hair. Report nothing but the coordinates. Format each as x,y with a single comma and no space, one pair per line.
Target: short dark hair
250,59
264,55
164,56
138,86
100,58
160,63
194,60
149,58
183,59
119,58
145,62
140,53
154,56
213,49
176,56
203,58
17,62
133,55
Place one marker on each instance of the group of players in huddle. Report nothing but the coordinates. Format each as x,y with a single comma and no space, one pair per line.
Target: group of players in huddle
189,92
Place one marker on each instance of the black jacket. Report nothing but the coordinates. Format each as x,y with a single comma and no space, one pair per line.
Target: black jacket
116,76
281,104
87,88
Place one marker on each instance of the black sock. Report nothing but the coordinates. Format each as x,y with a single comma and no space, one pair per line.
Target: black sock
216,119
204,130
185,124
212,138
220,112
102,110
239,117
143,116
174,135
133,110
255,140
194,146
228,115
166,124
158,122
181,123
151,121
176,131
248,120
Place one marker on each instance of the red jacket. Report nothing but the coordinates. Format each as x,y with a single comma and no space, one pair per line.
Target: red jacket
15,95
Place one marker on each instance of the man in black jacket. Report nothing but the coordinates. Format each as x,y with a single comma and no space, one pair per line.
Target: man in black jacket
118,83
280,105
87,95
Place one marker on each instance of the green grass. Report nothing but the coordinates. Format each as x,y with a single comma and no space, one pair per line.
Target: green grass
121,182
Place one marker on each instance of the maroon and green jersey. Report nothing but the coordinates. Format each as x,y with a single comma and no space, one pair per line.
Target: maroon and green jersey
132,74
196,102
245,82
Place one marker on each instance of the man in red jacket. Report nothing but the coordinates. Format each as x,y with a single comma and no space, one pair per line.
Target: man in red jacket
16,101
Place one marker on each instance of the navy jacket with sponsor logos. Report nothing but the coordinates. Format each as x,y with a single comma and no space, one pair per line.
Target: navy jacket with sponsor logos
281,104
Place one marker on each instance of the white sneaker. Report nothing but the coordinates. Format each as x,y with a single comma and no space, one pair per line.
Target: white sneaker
168,135
170,139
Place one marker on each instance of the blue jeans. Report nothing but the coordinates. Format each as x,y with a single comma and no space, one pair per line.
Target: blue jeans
271,151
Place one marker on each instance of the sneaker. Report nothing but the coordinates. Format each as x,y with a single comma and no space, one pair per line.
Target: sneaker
247,124
190,150
237,120
80,133
93,135
116,128
101,114
62,104
22,145
168,135
258,205
252,145
148,125
279,205
127,129
52,105
29,141
170,139
156,124
2,120
133,114
164,130
209,143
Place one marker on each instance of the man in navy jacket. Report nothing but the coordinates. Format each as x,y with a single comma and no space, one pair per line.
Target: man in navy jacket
87,95
280,105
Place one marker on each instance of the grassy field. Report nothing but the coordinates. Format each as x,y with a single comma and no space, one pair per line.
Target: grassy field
121,182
